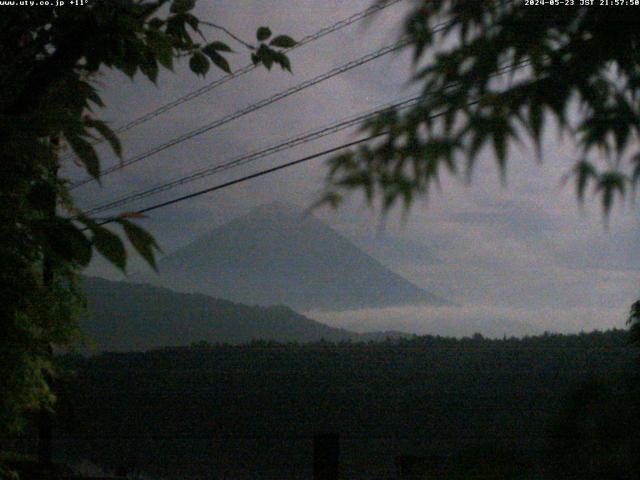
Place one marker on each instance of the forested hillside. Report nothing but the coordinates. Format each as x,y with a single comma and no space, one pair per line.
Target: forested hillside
129,317
250,411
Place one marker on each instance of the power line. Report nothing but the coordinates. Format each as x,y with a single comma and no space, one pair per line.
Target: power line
249,67
259,174
248,177
251,108
254,156
251,157
256,106
254,175
294,162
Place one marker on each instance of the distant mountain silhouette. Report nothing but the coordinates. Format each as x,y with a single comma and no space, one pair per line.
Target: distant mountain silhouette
276,255
134,317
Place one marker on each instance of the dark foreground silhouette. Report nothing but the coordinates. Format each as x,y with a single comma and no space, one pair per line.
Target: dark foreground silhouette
553,406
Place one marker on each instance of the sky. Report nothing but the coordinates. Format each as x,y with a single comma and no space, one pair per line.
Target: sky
515,259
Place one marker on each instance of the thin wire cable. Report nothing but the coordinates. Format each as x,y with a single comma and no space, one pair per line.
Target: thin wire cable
249,109
256,106
251,157
249,67
288,164
286,145
259,174
248,177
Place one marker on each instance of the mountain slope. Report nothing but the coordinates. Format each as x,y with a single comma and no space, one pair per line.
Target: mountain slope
127,317
275,255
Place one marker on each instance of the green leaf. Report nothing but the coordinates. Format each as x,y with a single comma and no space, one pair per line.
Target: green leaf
191,20
145,10
161,45
608,184
263,33
93,96
286,64
156,23
176,28
282,60
220,61
199,63
86,153
634,313
330,198
142,241
583,171
129,68
90,223
266,56
283,41
182,6
212,52
67,242
149,67
635,175
536,116
108,134
217,47
131,58
111,246
633,320
500,143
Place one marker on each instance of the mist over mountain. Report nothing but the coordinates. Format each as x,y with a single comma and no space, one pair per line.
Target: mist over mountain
276,255
134,317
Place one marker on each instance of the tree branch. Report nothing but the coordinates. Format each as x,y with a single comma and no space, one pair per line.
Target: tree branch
225,30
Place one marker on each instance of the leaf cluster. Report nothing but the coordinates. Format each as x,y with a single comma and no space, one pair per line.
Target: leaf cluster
495,72
49,59
633,320
267,54
50,55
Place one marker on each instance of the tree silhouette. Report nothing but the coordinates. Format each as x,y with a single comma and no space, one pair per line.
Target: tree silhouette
583,60
48,58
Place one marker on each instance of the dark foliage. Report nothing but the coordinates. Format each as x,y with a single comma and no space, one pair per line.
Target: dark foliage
486,408
48,101
580,75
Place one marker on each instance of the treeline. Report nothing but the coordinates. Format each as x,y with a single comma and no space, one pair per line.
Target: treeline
505,407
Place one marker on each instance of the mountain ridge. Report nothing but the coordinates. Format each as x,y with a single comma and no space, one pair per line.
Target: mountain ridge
137,317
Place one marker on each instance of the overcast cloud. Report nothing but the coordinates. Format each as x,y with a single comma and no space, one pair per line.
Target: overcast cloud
520,259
